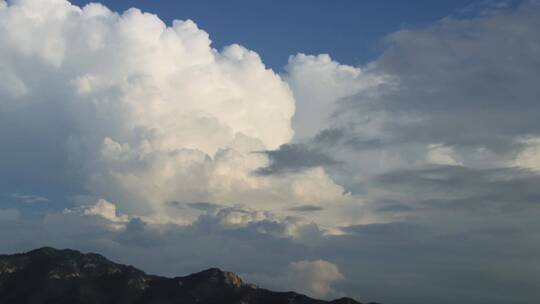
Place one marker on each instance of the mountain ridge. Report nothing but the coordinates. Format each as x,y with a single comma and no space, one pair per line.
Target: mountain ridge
48,275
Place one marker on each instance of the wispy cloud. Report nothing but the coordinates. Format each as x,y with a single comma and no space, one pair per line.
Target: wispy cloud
28,198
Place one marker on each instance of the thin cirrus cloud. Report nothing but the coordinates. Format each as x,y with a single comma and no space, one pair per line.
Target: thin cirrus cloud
405,180
29,198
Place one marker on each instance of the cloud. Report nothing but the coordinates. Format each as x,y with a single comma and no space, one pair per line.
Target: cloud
471,99
260,223
294,157
318,83
204,206
106,210
28,198
153,114
138,234
313,278
415,173
488,248
402,111
307,208
442,147
9,214
512,186
457,199
529,157
261,237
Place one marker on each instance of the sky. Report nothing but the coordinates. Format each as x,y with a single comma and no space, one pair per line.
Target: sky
348,29
384,151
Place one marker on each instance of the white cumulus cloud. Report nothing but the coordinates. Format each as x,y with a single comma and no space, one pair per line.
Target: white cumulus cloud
142,113
313,278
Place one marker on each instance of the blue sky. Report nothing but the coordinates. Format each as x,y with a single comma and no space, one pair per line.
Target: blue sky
350,30
392,154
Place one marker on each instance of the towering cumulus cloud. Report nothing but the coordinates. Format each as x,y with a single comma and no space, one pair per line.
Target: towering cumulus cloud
150,117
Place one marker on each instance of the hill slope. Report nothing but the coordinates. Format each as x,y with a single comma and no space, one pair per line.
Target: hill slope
51,276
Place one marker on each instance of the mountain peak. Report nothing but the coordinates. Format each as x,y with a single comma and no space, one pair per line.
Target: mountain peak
51,251
218,276
50,275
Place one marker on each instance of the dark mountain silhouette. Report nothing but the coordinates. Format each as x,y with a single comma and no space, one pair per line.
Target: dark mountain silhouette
51,276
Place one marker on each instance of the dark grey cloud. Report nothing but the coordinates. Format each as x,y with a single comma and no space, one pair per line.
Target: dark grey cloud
330,136
204,206
462,264
466,83
393,207
294,158
307,208
137,234
501,190
345,137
